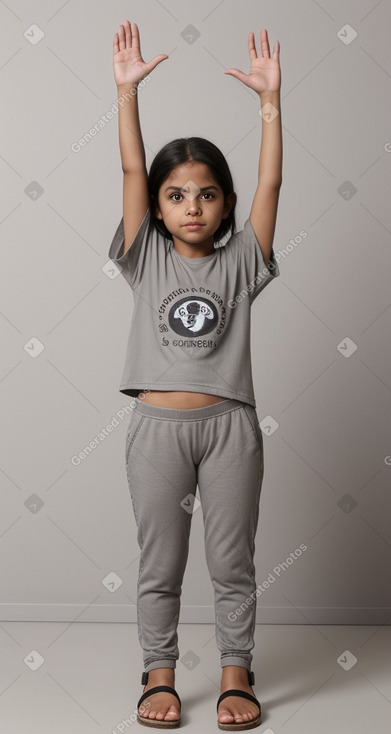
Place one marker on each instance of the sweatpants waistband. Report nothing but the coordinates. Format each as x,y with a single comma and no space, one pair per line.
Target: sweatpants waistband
189,414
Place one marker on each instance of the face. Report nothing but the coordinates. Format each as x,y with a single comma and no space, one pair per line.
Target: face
190,194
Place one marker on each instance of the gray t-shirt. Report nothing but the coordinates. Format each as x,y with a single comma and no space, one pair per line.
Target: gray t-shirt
190,328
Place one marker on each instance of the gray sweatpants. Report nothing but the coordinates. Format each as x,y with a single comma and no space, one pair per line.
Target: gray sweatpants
169,452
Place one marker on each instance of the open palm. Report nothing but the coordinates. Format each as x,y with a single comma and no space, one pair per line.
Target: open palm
265,73
129,66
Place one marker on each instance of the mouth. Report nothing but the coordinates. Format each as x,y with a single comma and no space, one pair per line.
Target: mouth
193,225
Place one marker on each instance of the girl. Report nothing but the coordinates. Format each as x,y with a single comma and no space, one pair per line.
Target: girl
188,367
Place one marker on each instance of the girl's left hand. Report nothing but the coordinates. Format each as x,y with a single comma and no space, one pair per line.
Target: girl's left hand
265,74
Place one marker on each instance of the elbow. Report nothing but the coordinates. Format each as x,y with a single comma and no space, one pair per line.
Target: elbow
273,184
277,183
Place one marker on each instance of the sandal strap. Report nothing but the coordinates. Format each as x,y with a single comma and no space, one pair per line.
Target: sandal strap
237,692
157,689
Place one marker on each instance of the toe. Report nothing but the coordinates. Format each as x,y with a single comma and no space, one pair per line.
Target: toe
172,713
143,711
159,713
230,715
225,716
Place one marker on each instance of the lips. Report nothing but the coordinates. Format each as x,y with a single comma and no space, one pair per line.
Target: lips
193,224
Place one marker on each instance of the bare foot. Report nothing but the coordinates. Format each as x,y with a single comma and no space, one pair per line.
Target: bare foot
160,705
233,708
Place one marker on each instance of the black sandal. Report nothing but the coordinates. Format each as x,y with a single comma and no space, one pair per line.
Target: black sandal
237,726
160,723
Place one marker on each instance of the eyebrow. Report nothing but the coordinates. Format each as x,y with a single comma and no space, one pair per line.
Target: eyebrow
180,188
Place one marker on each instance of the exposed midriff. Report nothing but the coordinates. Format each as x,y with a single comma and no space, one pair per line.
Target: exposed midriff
182,400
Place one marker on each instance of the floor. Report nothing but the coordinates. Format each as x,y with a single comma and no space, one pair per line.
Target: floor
85,678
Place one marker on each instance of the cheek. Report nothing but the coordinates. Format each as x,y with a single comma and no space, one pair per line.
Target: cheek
171,210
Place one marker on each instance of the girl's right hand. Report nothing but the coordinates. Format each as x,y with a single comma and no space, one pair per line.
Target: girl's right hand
129,66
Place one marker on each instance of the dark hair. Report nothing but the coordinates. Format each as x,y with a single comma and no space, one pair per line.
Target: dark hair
186,150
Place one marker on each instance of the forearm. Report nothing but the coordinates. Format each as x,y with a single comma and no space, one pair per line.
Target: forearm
130,137
270,157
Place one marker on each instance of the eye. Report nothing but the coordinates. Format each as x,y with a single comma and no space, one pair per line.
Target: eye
206,193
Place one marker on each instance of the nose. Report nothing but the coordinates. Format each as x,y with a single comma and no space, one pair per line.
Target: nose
193,206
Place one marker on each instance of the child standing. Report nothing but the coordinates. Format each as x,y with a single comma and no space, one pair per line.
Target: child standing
188,367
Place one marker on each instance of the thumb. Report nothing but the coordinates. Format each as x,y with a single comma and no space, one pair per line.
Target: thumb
237,74
155,61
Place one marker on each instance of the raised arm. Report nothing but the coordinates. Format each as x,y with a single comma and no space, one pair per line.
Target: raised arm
265,79
129,69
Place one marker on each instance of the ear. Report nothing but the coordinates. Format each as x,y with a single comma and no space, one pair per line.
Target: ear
229,203
156,208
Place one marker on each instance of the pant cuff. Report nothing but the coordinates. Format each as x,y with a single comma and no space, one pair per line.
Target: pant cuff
235,660
168,663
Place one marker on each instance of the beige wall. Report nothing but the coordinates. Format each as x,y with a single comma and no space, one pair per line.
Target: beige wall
320,333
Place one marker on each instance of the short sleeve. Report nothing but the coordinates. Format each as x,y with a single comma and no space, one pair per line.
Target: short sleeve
134,262
250,258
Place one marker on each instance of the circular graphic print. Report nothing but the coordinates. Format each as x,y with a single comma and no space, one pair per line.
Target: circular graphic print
193,316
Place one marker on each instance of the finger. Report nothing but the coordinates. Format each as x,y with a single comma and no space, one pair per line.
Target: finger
116,44
121,36
135,36
251,46
128,33
276,51
155,61
265,44
237,74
